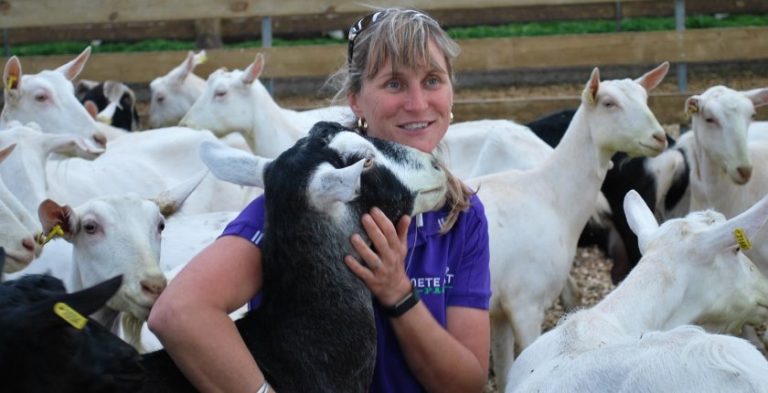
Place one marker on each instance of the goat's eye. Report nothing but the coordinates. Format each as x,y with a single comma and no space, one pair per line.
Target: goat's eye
90,227
41,97
220,93
609,104
710,120
160,227
368,163
159,99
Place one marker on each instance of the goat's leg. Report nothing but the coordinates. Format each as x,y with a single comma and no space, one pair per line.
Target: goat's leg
502,349
748,333
570,297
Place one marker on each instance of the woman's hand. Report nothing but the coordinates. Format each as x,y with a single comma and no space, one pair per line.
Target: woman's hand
383,273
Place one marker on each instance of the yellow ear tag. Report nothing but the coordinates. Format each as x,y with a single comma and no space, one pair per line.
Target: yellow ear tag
11,82
69,314
742,240
55,232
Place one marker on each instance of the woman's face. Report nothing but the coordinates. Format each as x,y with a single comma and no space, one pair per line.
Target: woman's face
408,106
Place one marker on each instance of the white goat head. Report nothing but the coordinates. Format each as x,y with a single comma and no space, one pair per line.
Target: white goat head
720,118
48,98
712,281
174,93
227,104
619,113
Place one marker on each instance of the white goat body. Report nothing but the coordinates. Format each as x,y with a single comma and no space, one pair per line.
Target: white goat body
535,216
637,338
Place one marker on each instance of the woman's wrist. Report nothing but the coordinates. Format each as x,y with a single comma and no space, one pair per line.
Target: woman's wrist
405,303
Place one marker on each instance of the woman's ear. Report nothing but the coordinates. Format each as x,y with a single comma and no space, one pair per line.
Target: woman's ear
354,104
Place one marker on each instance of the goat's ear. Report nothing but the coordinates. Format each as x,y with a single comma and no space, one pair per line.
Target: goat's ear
589,95
254,70
234,165
73,308
12,74
6,151
759,97
329,185
91,108
653,78
692,105
73,68
83,86
52,214
169,201
640,218
733,232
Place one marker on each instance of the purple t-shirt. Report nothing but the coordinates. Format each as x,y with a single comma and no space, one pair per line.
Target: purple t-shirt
448,270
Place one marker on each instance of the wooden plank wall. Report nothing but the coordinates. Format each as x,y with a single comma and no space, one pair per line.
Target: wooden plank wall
587,50
479,55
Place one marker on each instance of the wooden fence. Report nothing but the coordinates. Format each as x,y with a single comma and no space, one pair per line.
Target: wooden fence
478,55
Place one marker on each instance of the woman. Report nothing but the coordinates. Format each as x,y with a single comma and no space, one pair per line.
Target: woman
429,278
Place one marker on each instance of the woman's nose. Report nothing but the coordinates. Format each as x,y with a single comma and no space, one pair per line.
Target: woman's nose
417,100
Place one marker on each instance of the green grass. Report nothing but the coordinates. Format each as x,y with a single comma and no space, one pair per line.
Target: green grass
510,30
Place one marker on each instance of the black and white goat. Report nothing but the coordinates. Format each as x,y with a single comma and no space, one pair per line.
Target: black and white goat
48,344
115,103
315,331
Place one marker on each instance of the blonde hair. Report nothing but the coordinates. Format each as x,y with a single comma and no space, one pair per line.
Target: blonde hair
402,36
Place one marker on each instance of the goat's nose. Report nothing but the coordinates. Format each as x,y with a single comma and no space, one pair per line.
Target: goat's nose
745,172
153,287
100,139
29,244
661,138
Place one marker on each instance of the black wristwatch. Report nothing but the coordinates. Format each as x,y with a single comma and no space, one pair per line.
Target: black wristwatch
404,304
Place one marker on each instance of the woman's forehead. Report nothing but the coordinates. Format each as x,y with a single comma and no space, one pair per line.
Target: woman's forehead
432,60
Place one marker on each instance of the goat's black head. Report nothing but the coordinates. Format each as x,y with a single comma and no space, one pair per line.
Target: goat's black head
44,345
338,172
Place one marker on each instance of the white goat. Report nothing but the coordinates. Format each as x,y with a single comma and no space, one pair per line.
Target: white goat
635,340
535,216
107,236
17,235
237,101
174,93
728,172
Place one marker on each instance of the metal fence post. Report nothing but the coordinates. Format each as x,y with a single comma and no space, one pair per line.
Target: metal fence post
682,68
266,42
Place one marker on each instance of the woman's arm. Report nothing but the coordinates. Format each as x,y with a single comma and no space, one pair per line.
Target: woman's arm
191,316
443,360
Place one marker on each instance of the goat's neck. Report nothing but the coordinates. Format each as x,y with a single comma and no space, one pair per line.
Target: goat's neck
707,179
650,298
574,171
273,131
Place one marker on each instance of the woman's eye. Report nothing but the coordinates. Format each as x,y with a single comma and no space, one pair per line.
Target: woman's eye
433,81
393,84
